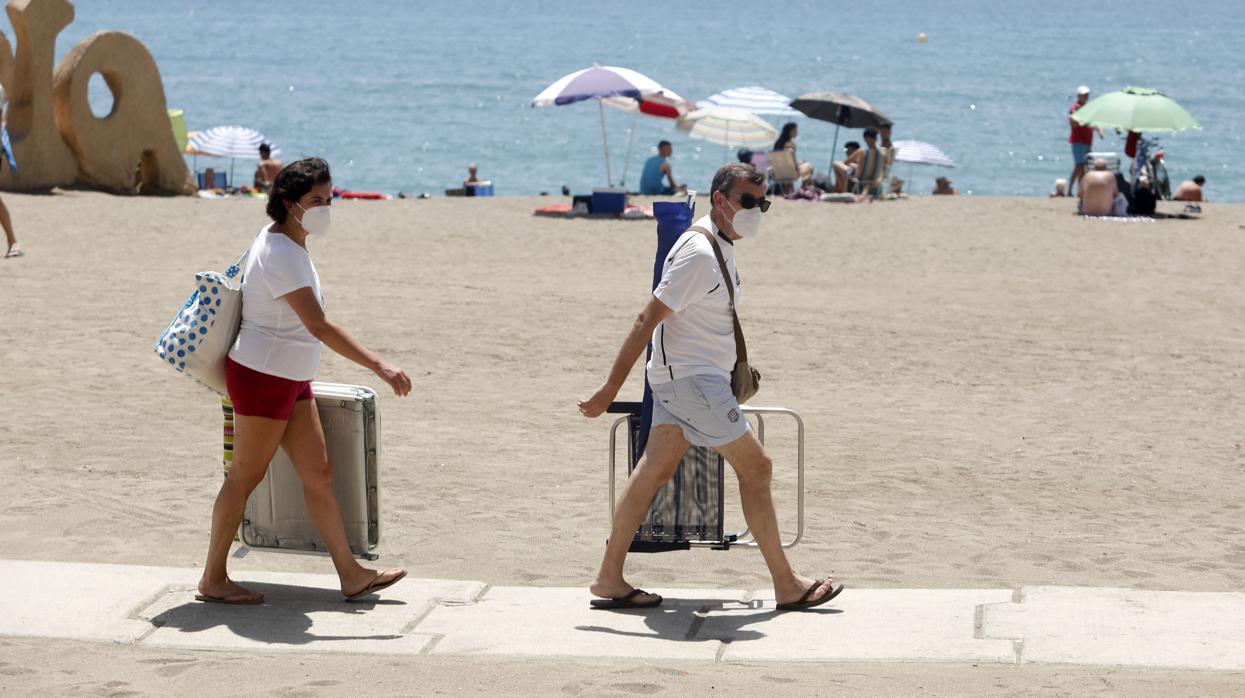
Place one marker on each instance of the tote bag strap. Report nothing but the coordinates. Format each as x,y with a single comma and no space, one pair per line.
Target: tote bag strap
741,349
236,268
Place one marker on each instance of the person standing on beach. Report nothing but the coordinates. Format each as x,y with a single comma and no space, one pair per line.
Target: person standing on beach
1081,138
690,322
268,374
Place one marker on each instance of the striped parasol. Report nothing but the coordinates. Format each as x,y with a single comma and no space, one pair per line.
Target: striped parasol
731,128
666,104
230,142
755,99
921,153
598,82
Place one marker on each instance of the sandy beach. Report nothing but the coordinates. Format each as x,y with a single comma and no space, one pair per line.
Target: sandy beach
997,393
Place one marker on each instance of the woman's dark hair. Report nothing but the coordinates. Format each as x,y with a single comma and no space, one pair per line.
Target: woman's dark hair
785,137
293,182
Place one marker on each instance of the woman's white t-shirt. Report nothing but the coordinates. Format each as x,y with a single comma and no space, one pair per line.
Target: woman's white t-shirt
272,339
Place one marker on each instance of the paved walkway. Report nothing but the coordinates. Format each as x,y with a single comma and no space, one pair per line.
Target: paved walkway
155,606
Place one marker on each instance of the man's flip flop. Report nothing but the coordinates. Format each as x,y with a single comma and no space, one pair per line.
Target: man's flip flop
376,585
245,599
627,601
806,603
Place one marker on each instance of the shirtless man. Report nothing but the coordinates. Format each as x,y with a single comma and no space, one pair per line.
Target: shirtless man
847,168
1190,190
267,169
1098,191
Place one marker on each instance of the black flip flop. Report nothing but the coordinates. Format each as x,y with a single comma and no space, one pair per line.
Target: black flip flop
376,585
805,603
625,601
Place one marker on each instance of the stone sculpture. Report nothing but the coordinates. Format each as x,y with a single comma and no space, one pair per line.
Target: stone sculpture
56,139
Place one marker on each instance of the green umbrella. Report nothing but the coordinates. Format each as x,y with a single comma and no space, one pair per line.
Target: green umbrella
1135,109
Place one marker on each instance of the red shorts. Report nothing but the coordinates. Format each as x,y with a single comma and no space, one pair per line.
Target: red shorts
256,394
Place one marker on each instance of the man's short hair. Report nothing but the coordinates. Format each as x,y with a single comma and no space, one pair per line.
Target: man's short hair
871,133
1199,180
663,144
732,172
264,149
851,145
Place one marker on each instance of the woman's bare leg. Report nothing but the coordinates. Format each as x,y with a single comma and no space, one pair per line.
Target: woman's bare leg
255,442
304,444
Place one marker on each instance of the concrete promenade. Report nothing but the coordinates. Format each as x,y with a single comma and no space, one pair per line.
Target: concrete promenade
155,607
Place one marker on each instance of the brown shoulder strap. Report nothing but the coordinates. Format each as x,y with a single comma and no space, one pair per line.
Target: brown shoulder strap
741,349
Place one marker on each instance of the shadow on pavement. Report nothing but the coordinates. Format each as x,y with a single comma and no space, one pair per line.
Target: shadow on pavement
283,618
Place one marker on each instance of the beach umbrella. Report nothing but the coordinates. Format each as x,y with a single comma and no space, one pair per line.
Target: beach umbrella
666,104
840,110
229,142
1135,109
755,99
921,153
731,128
598,82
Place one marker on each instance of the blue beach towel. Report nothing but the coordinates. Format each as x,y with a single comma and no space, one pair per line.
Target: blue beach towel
8,148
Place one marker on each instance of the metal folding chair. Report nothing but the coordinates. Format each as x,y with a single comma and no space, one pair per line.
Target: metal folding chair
689,511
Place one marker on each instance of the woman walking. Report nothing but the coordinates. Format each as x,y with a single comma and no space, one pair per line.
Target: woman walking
268,375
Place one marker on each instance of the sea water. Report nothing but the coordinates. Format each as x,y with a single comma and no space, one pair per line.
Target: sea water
401,96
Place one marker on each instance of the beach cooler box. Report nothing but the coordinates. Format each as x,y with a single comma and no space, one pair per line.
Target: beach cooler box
482,188
276,516
608,200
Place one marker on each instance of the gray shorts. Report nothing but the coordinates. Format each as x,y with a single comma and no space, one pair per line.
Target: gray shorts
703,406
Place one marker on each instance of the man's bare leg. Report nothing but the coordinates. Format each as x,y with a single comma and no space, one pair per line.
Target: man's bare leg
1078,172
665,449
753,467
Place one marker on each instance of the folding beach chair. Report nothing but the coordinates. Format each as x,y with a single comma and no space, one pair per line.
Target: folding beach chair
211,179
785,171
276,516
873,173
689,511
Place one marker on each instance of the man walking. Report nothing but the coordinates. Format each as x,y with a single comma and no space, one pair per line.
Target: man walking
689,320
1081,138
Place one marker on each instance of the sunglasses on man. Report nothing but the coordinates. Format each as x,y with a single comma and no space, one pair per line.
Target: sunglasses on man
749,201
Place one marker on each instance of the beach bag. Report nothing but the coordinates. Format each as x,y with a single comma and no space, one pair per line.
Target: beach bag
201,334
745,380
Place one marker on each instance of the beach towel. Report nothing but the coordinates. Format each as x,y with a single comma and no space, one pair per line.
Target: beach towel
8,148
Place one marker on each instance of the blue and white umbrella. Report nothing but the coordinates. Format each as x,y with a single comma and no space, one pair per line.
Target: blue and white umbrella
598,82
229,142
921,153
755,99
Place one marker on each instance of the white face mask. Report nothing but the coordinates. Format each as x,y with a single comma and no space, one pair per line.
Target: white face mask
747,221
316,220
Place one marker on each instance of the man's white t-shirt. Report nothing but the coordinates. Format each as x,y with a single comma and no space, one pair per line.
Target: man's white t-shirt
272,339
699,338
